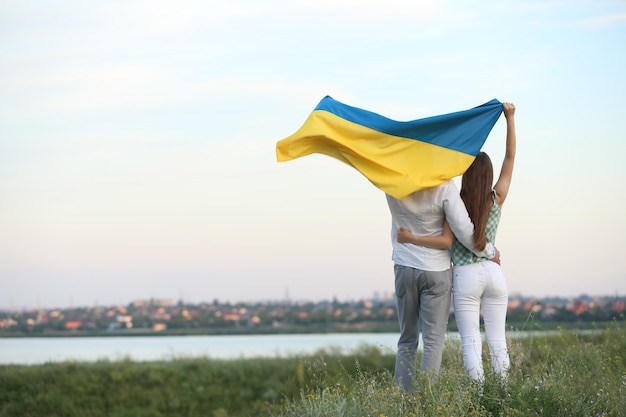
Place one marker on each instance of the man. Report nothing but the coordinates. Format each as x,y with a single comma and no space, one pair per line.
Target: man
423,276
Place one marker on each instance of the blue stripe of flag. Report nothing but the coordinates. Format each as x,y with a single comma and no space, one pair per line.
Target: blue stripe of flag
464,131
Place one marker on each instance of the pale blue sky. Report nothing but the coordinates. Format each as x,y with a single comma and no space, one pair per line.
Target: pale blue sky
137,143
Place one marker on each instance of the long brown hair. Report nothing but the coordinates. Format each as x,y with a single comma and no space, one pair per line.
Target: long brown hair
476,194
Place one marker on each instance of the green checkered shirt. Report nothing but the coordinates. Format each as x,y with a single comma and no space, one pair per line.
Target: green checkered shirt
461,255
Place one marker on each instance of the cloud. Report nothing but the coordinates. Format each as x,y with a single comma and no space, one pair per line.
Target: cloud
602,21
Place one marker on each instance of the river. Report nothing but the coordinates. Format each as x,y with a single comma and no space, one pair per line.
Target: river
39,350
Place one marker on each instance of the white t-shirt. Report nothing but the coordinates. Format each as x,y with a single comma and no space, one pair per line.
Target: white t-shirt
423,213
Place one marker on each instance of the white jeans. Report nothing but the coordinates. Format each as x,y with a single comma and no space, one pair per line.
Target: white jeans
474,286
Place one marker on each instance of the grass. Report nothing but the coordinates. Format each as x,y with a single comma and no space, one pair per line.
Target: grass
568,374
563,375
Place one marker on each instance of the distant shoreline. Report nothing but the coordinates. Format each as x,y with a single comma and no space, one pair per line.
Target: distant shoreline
373,327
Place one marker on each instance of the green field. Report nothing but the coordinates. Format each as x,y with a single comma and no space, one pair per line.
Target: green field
569,374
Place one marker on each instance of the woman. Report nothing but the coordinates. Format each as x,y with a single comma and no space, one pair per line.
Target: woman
477,282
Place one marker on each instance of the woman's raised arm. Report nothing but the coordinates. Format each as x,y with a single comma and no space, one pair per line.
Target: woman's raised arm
504,180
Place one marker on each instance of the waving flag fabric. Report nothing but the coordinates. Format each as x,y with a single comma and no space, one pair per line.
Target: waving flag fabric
397,157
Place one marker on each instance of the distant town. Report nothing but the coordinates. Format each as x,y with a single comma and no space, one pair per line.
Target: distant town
378,314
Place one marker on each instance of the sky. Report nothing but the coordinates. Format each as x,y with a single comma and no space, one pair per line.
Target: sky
137,143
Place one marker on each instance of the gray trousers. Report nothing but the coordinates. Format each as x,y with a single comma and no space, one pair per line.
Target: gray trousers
423,300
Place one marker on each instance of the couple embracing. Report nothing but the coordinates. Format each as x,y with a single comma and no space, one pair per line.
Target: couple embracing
443,243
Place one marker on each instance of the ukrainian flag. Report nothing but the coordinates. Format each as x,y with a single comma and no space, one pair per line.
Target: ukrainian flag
397,157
